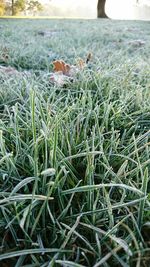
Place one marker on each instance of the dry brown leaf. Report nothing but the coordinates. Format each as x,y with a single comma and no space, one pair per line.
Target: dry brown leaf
60,65
4,54
81,63
137,43
64,72
89,56
49,33
8,70
59,79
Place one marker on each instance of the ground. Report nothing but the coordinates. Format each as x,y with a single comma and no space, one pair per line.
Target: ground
74,155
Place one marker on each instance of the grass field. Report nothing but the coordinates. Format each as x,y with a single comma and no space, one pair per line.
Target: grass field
75,159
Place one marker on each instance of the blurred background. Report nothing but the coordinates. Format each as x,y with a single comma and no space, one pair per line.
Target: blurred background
116,9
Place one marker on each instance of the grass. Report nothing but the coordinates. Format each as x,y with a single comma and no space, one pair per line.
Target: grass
74,174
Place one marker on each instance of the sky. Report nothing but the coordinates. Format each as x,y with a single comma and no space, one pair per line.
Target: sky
116,9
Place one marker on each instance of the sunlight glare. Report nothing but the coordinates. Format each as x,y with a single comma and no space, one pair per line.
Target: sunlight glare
116,9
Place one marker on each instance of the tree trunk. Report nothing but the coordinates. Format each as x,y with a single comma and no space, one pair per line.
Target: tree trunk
12,8
101,9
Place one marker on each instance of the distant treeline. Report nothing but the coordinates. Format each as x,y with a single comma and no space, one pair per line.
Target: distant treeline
17,7
34,7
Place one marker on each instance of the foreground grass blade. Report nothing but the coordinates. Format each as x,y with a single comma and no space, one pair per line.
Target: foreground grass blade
69,263
87,188
30,251
142,202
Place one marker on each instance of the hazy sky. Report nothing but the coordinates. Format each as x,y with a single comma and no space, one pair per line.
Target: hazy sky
91,2
121,9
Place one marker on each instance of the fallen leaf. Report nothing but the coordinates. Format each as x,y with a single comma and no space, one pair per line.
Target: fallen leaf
49,33
4,54
81,63
89,56
60,65
59,79
64,73
137,43
8,70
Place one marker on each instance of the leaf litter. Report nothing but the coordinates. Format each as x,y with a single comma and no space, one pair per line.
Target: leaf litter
137,43
64,72
49,33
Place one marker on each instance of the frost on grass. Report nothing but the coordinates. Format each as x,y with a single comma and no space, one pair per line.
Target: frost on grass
74,163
